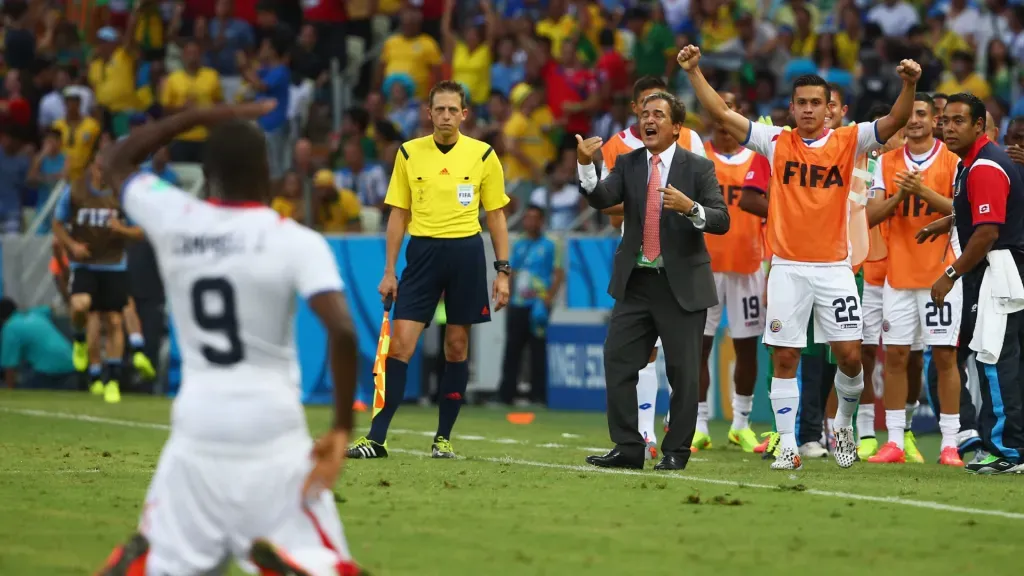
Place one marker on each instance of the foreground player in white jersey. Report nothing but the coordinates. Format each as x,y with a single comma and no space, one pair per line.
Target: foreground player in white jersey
239,476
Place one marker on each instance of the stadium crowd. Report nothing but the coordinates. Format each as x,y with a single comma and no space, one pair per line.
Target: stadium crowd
77,74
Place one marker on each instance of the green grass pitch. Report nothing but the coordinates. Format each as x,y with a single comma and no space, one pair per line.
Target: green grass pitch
74,471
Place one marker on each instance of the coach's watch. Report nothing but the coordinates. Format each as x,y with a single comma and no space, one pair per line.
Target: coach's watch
951,273
503,266
695,211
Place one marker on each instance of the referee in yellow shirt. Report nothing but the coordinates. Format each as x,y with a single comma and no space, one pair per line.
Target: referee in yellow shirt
437,187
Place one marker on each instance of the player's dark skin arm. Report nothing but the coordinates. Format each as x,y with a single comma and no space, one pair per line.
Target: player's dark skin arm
754,201
332,310
125,156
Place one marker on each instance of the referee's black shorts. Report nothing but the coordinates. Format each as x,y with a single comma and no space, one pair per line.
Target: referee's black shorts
108,289
455,267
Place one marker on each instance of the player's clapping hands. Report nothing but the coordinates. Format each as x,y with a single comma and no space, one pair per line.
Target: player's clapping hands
585,149
909,182
909,71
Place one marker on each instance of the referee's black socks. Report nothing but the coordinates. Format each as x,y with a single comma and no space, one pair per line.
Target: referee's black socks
395,372
453,391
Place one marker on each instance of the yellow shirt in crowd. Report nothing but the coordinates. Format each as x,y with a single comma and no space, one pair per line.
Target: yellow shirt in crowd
114,81
473,68
444,192
416,57
340,215
77,145
973,84
528,133
202,90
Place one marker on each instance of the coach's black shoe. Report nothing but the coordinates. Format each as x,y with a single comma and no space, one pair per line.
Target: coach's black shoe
991,466
364,448
127,559
442,448
616,459
671,462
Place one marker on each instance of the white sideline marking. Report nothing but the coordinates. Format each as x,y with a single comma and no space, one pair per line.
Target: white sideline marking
591,469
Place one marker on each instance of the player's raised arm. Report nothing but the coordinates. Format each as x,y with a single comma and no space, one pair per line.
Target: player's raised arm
735,123
123,159
887,126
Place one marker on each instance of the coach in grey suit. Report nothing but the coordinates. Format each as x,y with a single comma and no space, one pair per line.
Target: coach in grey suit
661,281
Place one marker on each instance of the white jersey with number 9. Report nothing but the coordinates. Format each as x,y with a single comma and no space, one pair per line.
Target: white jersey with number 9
232,273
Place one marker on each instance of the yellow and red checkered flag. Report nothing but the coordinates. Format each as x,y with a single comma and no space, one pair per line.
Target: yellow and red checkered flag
383,342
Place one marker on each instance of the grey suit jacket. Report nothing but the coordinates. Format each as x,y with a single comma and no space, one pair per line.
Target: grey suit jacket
686,259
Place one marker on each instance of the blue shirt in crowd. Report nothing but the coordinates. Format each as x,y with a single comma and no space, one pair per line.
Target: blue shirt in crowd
30,338
534,262
13,173
277,80
237,36
167,175
62,212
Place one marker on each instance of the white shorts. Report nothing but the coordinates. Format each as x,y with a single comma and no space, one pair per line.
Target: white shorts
872,305
794,290
741,296
205,507
911,316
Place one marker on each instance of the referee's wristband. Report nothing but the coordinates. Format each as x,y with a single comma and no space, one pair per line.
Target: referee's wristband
503,266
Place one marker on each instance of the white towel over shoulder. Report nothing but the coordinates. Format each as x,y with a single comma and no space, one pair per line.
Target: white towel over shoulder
1001,294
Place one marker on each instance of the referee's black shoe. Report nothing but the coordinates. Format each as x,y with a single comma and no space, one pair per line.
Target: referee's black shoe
364,448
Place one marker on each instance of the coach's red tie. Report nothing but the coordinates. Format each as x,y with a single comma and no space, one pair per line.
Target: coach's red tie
652,215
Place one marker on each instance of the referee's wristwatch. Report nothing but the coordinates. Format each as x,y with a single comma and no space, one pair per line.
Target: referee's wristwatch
503,266
951,273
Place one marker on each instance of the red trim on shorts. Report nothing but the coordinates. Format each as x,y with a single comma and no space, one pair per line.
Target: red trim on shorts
344,567
236,203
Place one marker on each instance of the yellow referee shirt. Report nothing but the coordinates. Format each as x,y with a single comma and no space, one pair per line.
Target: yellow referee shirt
444,191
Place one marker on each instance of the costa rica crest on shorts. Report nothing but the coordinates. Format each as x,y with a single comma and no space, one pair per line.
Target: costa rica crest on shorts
775,325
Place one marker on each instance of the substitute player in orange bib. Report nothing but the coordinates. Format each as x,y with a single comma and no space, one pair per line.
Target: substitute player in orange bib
809,233
621,143
739,281
913,187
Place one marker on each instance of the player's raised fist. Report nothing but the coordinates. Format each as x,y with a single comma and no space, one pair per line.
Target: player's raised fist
909,71
585,149
688,57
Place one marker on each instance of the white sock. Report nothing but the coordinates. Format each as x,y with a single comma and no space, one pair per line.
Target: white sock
702,417
741,407
866,421
895,422
848,390
949,425
911,408
646,396
785,397
830,424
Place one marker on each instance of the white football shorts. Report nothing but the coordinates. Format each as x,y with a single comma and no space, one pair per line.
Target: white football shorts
742,298
910,317
205,506
872,305
794,290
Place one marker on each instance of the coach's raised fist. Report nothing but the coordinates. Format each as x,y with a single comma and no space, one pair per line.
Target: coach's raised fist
585,149
909,71
688,57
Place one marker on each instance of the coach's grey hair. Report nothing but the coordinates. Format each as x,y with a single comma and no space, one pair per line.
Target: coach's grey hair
675,105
